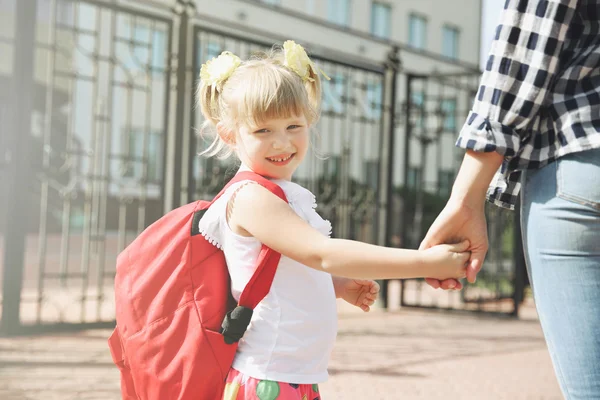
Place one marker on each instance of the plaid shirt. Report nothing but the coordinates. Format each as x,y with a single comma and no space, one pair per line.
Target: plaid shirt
539,97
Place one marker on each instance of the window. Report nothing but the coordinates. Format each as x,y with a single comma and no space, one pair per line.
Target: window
418,109
381,15
212,50
445,181
144,152
450,41
332,167
335,94
338,12
372,174
414,177
374,100
310,6
145,41
63,11
417,34
448,107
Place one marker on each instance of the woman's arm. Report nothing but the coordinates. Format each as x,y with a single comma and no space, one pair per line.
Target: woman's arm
464,214
523,64
474,177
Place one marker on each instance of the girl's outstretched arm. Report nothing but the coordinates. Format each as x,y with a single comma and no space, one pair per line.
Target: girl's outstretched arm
256,212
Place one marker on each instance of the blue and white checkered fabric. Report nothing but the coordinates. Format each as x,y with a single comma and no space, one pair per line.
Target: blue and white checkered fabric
539,96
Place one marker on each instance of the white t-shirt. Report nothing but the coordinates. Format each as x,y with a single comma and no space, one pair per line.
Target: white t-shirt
293,330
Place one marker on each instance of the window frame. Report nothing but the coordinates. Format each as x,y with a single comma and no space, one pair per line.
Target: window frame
388,7
451,28
425,20
348,15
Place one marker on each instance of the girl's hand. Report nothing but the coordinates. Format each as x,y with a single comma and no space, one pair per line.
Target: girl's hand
448,260
358,292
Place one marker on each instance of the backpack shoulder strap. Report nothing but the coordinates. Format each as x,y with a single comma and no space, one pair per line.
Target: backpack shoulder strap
251,176
258,286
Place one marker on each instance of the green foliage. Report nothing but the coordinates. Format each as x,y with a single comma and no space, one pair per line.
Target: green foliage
433,204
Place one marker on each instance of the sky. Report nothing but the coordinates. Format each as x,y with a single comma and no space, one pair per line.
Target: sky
491,13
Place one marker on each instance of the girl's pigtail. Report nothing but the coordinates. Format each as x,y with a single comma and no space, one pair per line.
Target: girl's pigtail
313,89
296,59
207,102
213,75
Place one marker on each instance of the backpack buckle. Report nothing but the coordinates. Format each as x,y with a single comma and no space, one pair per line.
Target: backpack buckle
235,324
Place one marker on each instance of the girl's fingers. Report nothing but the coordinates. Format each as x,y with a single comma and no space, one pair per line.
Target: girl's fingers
434,283
375,288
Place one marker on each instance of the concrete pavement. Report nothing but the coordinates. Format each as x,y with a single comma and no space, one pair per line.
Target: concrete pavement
404,354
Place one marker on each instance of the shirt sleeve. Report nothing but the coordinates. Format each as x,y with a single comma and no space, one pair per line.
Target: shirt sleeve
523,63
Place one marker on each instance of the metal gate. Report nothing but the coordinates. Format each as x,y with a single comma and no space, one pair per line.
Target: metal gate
436,108
114,145
94,161
100,138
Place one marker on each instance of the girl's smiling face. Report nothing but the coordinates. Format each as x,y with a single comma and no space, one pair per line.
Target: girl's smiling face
274,148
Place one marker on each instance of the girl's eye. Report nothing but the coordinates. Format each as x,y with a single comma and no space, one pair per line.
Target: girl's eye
262,131
293,126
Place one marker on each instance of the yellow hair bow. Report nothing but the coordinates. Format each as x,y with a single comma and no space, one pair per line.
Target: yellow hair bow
216,71
296,59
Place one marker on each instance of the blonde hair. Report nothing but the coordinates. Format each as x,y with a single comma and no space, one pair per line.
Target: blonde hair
259,89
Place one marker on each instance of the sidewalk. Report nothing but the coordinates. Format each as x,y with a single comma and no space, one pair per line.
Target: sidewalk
404,354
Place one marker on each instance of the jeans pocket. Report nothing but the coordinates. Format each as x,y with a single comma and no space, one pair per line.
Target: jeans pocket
578,178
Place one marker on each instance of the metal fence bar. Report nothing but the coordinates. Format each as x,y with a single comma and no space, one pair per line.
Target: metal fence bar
175,148
18,168
386,173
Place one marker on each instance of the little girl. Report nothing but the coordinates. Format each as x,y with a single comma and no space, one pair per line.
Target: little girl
262,110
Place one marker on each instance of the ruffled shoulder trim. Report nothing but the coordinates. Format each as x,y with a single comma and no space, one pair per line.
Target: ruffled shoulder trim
211,224
211,238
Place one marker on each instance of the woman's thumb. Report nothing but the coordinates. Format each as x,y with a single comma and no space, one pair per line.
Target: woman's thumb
475,265
429,241
424,244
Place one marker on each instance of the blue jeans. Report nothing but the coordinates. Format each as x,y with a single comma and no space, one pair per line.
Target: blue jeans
561,237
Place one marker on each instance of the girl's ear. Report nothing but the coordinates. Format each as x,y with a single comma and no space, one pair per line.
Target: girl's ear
226,135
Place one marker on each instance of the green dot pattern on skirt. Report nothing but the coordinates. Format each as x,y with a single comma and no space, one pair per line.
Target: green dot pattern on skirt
315,388
267,390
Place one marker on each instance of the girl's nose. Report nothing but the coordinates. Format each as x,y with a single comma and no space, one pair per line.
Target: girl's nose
281,142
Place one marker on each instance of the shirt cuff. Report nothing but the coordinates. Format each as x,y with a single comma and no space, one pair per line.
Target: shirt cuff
501,199
484,135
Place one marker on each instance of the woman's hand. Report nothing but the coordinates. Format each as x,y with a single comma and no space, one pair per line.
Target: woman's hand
455,223
447,261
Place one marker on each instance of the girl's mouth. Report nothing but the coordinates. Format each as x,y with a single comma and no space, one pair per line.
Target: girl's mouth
281,160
